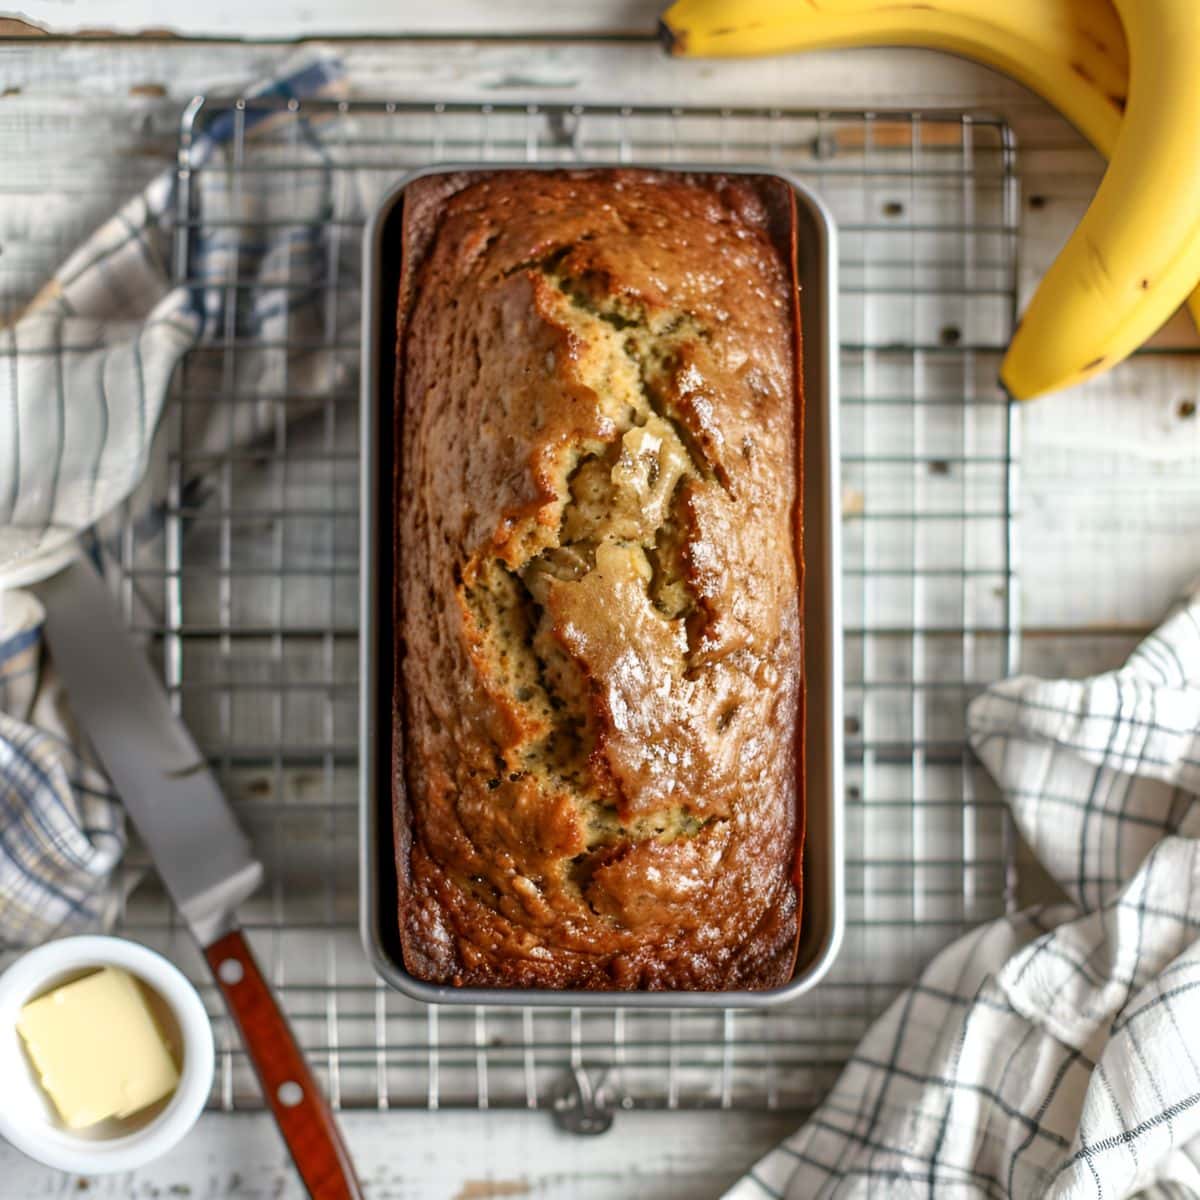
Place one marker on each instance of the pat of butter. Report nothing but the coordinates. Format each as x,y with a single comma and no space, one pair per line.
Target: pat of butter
97,1048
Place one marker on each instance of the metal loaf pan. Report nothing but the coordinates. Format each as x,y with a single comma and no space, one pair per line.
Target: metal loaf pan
823,852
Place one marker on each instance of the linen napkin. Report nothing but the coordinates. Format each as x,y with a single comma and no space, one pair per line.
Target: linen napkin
1054,1053
84,378
61,829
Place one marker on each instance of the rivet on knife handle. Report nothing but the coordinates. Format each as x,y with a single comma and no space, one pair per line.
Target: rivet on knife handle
313,1138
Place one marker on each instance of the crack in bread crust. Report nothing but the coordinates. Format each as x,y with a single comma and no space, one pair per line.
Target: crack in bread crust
627,492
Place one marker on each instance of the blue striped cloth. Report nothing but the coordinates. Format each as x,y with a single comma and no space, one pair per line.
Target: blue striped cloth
1054,1053
61,829
84,377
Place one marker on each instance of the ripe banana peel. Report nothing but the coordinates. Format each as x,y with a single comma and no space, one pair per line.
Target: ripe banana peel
1136,253
1072,52
1075,54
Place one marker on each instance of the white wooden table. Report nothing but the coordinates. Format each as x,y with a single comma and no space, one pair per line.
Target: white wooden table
1110,476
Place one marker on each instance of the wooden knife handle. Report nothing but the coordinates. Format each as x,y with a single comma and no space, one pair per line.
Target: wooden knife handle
303,1115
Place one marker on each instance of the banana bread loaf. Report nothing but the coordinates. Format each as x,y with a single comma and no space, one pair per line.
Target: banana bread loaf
599,780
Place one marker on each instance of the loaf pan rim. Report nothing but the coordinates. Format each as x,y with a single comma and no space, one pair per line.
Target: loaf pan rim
823,573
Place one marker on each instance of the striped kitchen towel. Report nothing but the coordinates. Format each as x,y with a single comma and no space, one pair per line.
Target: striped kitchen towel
61,831
84,372
1054,1053
84,377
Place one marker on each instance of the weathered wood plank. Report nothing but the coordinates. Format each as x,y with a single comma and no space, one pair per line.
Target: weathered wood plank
443,1156
272,19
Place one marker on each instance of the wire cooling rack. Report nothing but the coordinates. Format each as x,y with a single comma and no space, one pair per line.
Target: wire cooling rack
250,594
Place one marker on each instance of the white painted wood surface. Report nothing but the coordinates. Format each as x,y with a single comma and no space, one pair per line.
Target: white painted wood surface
271,19
1110,481
443,1156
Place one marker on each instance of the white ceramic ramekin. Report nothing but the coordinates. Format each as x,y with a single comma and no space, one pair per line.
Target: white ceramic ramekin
27,1118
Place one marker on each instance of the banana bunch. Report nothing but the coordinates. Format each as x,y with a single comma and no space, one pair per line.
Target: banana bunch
1126,73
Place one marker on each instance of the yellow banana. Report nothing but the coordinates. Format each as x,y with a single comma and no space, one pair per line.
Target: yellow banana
1071,52
1136,253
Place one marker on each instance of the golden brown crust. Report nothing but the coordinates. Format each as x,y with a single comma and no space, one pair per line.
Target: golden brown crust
598,593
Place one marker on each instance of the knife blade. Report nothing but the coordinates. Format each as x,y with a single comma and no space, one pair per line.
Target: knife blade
164,783
205,860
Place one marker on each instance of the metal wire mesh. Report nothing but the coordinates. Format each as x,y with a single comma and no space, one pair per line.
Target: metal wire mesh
252,597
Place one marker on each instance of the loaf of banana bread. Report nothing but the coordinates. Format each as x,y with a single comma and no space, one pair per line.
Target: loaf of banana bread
599,776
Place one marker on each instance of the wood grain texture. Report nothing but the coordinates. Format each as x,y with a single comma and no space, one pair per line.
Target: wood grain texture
446,1155
349,18
289,1088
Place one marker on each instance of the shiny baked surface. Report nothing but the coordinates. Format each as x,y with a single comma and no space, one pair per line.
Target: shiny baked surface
598,596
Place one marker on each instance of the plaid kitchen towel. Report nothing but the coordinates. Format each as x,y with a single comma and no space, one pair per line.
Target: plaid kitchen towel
61,832
84,375
1054,1053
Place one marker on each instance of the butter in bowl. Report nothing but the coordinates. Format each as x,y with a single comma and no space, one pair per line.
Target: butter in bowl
106,1051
